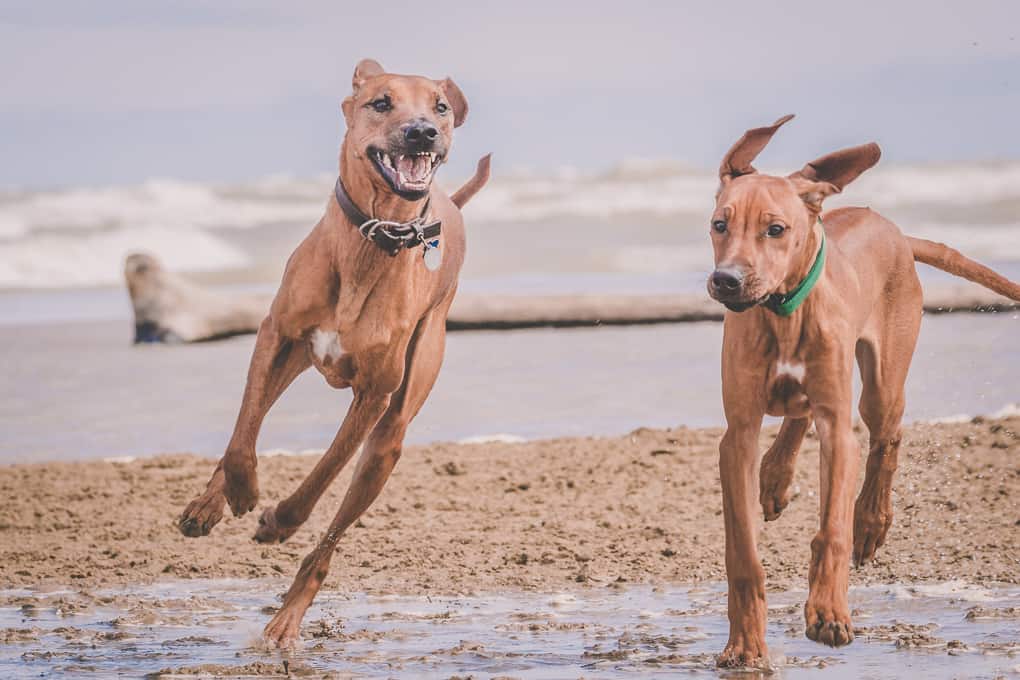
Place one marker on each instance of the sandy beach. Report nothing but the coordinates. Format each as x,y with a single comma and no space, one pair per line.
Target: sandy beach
557,511
543,515
572,557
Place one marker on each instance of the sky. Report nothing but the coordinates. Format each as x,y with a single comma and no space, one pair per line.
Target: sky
118,92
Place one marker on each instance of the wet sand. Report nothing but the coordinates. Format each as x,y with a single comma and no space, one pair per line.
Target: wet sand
210,628
543,515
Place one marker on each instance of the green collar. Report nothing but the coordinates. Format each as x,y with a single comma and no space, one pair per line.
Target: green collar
787,304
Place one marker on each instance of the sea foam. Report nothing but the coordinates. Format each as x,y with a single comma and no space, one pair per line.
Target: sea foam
652,215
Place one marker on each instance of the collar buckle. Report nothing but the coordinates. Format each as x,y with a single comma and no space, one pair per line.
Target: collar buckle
390,236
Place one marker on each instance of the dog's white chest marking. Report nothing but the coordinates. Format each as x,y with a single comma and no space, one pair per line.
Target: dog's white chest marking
326,344
793,369
787,395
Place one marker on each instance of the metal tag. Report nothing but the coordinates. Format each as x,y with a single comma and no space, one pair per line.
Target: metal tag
433,255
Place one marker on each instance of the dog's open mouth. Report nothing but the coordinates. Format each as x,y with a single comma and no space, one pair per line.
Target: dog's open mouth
409,175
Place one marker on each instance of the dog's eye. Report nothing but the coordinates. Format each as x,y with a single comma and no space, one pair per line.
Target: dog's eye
441,108
775,230
381,105
719,226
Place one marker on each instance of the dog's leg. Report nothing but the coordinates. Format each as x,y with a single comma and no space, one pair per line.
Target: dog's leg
274,364
883,376
826,613
778,465
382,451
738,467
738,462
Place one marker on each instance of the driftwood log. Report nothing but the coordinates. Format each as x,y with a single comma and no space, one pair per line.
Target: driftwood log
169,308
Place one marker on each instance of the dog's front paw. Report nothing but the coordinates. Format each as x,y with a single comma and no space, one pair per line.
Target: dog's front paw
271,530
202,514
828,623
241,488
744,651
871,524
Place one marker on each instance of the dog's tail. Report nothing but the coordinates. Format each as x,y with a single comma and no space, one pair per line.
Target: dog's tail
943,257
474,185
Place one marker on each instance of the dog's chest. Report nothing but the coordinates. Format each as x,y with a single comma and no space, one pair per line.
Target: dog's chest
325,345
785,389
328,355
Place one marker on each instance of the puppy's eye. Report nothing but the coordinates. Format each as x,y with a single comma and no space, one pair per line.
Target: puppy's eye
719,226
381,105
441,108
775,230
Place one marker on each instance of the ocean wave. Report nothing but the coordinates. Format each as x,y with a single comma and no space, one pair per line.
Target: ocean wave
635,186
962,183
162,202
78,236
61,260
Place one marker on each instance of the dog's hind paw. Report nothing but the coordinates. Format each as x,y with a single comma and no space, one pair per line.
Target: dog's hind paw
241,489
284,629
270,530
774,487
870,529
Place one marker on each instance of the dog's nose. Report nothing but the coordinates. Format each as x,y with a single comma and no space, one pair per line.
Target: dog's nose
420,132
726,280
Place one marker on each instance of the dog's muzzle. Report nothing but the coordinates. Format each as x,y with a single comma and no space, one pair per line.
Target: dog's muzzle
726,285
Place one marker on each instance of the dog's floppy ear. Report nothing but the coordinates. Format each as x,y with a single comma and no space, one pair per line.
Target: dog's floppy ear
841,167
738,160
457,101
366,68
829,174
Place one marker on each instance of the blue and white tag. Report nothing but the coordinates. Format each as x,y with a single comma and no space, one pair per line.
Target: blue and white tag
433,255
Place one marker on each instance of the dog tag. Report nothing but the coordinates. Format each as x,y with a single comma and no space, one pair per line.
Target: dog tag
433,255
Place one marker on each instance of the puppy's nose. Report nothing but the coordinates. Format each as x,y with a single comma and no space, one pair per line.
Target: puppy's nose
420,132
726,280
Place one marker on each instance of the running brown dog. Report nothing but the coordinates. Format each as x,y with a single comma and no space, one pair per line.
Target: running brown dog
808,293
359,302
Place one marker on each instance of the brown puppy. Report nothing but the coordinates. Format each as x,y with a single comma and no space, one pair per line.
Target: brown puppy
358,302
782,358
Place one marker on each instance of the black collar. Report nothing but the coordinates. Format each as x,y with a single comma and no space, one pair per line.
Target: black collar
392,237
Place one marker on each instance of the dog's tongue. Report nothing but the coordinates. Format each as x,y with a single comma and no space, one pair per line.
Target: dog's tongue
413,168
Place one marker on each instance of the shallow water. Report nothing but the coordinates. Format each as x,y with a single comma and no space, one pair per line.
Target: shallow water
112,399
186,627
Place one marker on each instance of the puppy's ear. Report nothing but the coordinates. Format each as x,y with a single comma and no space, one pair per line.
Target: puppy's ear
738,160
841,167
829,174
457,101
366,68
